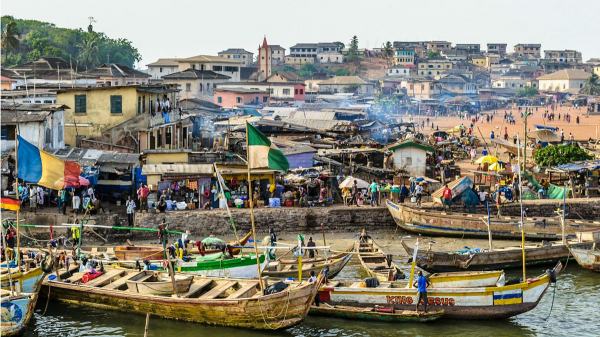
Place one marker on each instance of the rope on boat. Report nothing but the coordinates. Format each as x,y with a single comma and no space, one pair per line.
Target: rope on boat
554,290
280,324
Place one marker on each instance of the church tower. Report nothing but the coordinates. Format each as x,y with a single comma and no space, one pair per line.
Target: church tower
264,60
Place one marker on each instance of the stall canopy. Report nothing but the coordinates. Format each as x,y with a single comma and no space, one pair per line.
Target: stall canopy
349,182
586,165
199,169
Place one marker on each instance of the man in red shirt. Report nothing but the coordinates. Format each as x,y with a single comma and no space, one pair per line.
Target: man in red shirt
142,194
447,196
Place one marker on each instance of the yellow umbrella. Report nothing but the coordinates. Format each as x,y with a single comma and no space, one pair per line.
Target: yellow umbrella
487,159
496,167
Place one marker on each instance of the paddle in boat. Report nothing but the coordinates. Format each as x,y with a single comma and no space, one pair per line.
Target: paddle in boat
215,301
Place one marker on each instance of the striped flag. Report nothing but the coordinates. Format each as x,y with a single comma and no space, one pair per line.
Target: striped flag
41,168
262,153
10,204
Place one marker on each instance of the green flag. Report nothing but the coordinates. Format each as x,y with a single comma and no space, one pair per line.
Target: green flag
262,153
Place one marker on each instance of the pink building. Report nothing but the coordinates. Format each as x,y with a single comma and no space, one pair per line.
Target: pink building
233,97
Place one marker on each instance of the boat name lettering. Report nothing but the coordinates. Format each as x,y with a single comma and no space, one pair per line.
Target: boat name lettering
443,301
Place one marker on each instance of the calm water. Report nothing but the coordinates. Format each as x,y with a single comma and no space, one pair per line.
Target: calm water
576,312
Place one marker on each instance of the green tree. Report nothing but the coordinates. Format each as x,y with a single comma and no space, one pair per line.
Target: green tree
434,55
388,52
10,39
341,72
353,54
88,50
307,70
592,85
553,155
527,92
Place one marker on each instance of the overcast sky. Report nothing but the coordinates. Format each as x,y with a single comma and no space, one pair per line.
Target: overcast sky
183,28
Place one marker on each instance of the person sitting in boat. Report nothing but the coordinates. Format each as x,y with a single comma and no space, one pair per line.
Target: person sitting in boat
312,277
421,284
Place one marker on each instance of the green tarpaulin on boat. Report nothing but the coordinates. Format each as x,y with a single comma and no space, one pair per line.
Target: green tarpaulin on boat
209,257
554,191
211,240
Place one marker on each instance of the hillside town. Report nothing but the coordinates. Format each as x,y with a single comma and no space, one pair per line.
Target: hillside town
397,144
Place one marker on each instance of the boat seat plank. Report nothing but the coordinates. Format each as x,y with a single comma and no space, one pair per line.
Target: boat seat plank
307,266
287,268
121,281
356,285
244,290
76,277
218,290
105,278
197,287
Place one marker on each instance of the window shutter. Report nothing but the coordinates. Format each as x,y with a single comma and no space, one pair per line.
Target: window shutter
116,104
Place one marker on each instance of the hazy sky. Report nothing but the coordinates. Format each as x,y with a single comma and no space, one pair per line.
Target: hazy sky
182,28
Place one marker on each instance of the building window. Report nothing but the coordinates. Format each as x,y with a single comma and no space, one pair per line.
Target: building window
265,99
188,87
8,132
295,91
217,68
286,91
238,99
116,104
160,69
301,91
80,103
219,99
232,69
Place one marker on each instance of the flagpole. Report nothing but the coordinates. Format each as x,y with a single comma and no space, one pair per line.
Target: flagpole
521,203
251,202
18,197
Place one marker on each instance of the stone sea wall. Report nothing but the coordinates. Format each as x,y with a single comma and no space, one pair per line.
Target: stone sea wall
295,220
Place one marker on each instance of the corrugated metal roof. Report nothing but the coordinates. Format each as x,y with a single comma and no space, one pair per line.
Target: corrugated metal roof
206,169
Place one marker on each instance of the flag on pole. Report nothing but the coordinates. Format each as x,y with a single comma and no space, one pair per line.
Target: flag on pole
41,168
10,204
262,153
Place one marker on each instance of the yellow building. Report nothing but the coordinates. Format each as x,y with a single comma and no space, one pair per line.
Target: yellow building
479,61
93,110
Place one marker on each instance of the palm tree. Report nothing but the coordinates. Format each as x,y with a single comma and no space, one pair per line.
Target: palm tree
10,39
88,50
592,85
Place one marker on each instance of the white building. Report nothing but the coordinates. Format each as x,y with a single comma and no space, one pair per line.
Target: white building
401,71
162,67
41,125
238,54
330,57
220,65
566,80
411,157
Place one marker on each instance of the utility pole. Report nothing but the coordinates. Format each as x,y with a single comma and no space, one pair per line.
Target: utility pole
525,115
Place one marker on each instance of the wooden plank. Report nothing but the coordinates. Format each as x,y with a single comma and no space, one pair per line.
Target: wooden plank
121,281
105,278
244,290
218,290
197,287
76,277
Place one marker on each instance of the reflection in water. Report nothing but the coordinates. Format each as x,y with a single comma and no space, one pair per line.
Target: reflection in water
575,313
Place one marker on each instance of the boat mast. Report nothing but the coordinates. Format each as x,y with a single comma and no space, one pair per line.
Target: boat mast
522,222
413,265
251,202
18,196
220,180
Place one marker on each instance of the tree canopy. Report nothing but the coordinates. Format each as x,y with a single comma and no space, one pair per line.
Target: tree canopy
527,92
85,49
592,85
353,53
553,155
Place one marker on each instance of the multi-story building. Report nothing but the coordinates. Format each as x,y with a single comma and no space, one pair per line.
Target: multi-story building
278,91
238,54
399,70
497,48
162,67
562,56
194,83
265,61
229,98
528,50
302,53
420,88
431,68
277,54
40,124
92,110
218,64
117,74
470,48
438,46
404,56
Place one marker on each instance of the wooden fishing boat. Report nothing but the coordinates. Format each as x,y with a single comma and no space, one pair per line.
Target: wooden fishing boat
460,303
213,265
214,301
17,306
374,314
316,259
500,258
438,223
290,270
587,257
154,283
128,253
375,262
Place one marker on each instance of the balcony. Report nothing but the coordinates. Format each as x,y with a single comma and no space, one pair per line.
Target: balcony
165,118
